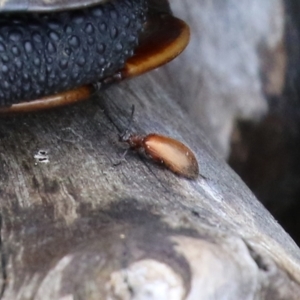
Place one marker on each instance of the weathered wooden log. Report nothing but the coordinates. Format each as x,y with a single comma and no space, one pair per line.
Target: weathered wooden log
74,225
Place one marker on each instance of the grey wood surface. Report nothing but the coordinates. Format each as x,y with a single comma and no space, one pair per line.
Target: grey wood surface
76,226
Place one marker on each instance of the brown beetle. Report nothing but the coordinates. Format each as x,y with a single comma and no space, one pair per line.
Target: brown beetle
165,150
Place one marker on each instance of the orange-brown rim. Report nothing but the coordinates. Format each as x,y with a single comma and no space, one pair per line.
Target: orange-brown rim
165,38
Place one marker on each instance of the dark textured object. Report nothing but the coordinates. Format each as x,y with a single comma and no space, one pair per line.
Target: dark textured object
60,52
42,54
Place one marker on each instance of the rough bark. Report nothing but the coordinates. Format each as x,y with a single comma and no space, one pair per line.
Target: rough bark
76,226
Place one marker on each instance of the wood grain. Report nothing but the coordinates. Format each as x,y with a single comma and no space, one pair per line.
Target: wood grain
76,226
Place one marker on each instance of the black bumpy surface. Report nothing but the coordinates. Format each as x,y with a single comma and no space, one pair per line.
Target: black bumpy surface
41,54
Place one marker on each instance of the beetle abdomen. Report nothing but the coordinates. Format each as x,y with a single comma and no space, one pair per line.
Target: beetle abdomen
172,153
42,54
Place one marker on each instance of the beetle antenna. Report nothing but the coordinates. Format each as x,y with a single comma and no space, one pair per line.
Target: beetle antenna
124,134
108,113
